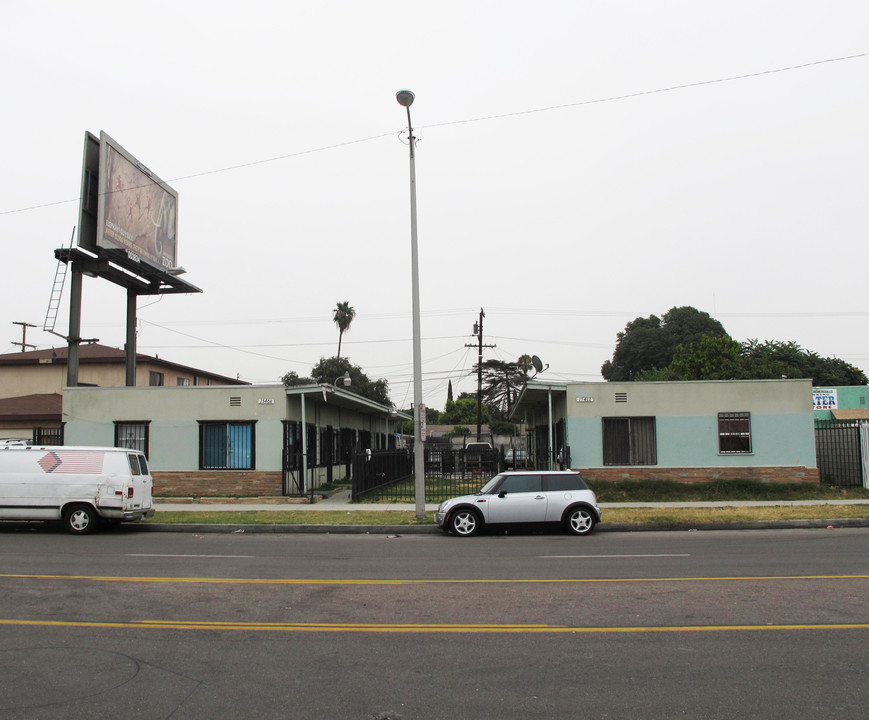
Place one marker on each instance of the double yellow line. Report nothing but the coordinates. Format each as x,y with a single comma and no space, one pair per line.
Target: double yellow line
472,581
413,627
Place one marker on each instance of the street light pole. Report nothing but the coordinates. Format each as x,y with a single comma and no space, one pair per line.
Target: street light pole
405,99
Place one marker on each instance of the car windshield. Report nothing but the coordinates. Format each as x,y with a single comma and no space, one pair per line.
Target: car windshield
489,486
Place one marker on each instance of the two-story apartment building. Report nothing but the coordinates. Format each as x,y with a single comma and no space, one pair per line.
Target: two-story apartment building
31,384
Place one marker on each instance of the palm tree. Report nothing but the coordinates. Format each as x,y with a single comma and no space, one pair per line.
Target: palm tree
343,315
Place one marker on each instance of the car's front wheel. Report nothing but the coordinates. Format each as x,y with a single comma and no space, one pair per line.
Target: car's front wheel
579,521
465,523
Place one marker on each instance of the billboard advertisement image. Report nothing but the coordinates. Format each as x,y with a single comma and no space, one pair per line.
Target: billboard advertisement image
138,212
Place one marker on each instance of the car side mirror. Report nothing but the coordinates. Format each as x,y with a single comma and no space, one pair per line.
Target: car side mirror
502,494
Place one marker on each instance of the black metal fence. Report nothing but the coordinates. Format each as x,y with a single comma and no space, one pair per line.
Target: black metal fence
388,476
839,452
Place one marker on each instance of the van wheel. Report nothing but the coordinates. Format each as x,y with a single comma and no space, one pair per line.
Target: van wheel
80,519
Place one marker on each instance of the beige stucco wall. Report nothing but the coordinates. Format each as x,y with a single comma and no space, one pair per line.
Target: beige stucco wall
685,399
173,414
48,377
32,380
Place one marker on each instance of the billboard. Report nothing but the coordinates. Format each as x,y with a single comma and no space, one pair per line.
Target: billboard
137,212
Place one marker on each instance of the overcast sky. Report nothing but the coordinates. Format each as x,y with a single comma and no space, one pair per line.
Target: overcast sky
579,164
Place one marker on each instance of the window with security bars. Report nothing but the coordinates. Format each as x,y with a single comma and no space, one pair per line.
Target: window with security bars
226,446
734,432
630,441
132,435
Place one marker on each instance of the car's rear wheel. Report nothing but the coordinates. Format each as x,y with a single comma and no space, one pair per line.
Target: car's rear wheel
465,523
579,521
80,519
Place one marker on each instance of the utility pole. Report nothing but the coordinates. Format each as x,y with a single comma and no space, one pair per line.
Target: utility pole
24,344
478,331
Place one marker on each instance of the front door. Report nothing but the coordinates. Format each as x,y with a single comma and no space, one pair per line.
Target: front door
519,499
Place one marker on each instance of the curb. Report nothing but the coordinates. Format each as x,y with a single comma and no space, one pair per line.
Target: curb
434,530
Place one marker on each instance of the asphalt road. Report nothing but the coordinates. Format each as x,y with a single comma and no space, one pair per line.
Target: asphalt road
752,624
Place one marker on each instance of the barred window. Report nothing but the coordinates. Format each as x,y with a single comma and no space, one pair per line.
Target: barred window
734,432
629,441
226,446
132,435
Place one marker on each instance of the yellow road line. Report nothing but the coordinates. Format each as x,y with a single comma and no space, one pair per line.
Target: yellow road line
417,628
481,581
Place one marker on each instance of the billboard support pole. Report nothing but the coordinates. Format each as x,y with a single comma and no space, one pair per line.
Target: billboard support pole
74,338
131,338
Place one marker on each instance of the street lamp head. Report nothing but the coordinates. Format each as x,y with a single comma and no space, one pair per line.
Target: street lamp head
404,97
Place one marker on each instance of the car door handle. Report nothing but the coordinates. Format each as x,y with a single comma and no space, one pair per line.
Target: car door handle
539,497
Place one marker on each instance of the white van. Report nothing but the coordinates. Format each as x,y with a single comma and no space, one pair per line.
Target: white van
78,485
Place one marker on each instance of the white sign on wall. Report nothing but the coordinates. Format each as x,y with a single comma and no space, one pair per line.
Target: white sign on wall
825,398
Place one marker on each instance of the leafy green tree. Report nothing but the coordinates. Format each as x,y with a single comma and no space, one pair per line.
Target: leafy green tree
502,427
463,411
650,343
773,359
343,316
458,431
714,357
329,369
837,372
292,379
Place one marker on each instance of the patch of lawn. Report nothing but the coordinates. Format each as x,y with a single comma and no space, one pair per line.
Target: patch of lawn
731,514
631,516
290,517
671,491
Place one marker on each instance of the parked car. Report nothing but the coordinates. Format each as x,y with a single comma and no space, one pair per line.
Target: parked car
554,498
479,458
514,458
14,442
477,447
439,458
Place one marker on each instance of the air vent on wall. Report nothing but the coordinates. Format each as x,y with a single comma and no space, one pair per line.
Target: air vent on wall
234,401
621,397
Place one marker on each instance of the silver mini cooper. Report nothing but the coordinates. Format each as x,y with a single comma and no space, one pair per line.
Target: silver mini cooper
520,498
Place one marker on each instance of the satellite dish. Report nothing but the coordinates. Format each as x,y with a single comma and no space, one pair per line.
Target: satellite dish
537,363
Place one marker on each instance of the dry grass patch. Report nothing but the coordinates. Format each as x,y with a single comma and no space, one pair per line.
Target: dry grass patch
290,517
732,514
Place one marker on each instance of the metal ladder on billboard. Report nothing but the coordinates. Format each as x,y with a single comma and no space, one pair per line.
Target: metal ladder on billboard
56,293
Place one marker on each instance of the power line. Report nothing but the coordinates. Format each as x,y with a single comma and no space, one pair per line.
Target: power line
517,113
658,91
